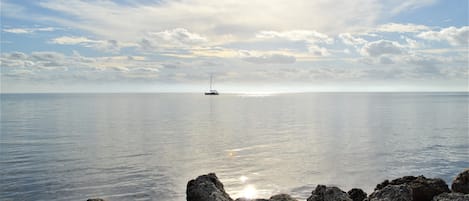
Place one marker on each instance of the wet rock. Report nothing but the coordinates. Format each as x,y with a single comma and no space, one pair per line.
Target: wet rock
392,193
451,197
461,182
282,197
423,189
357,194
324,193
206,188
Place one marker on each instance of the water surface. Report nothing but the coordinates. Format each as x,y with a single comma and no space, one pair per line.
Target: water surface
147,146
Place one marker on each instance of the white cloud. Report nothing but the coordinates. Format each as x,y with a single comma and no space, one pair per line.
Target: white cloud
213,18
455,36
16,55
14,60
421,60
178,37
47,56
103,45
402,28
349,39
297,35
311,38
17,31
29,30
73,40
273,58
318,51
20,73
382,47
401,6
412,44
56,60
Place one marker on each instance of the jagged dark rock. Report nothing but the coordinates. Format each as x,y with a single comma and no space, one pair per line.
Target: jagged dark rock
461,182
95,199
279,197
206,188
357,194
392,193
282,197
382,185
245,199
423,189
451,197
408,188
324,193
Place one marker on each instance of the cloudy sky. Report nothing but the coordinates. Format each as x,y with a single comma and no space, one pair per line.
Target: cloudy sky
262,45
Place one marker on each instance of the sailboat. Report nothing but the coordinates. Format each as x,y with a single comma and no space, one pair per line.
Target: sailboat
212,91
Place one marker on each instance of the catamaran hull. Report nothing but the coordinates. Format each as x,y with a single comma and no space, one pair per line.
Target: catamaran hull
211,94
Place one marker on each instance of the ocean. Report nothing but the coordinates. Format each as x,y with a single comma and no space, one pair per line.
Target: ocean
148,146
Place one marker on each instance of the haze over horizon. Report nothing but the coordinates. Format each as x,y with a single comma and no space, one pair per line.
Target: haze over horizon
261,46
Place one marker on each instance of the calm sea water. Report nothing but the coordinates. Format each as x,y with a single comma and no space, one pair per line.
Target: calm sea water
147,146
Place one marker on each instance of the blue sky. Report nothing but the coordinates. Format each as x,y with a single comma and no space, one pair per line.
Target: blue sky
261,46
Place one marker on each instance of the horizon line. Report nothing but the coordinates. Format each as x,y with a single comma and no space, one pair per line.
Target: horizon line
229,92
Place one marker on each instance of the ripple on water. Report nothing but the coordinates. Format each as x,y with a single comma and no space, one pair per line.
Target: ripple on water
146,147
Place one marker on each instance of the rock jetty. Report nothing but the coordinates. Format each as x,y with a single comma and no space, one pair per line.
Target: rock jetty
409,188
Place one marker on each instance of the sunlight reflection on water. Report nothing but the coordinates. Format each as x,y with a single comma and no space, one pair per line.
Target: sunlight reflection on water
147,146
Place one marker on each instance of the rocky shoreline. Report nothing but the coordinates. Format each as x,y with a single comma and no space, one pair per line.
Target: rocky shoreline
409,188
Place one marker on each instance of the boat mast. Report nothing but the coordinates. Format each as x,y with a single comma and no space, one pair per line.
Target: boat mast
211,75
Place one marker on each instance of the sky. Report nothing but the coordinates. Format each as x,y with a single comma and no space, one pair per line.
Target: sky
248,46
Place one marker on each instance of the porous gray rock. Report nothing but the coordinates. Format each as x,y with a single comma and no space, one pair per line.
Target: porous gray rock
279,197
423,189
246,199
392,193
206,188
451,197
356,194
461,182
324,193
282,197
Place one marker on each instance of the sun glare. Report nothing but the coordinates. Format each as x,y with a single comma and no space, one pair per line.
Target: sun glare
243,179
249,192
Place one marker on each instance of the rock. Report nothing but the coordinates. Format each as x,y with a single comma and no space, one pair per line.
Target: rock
323,193
206,188
451,197
423,189
382,185
279,197
357,194
461,182
282,197
95,199
245,199
392,193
